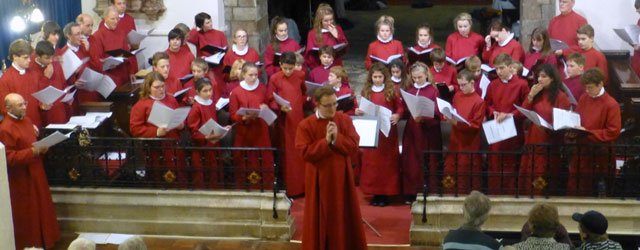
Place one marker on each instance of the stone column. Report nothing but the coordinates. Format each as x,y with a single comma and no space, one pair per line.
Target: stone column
534,14
250,15
6,228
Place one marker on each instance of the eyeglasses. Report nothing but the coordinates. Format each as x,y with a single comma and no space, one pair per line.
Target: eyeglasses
329,105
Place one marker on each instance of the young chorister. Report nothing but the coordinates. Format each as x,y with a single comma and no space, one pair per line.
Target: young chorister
399,75
384,47
421,134
538,167
235,75
502,93
289,84
593,57
205,172
49,72
505,42
240,50
337,78
539,51
251,131
160,63
442,72
463,43
575,69
593,166
424,44
462,171
380,174
280,43
180,57
473,64
325,32
320,73
204,37
199,69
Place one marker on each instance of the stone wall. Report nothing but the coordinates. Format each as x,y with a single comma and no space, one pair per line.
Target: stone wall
533,14
250,15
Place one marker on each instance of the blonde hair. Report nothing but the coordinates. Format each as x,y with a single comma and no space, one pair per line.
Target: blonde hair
464,16
233,75
473,63
420,66
385,20
322,11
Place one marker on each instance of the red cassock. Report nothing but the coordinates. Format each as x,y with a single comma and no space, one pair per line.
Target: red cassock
383,51
140,128
218,91
311,57
320,74
58,111
288,45
448,75
540,165
211,37
332,218
229,86
126,24
417,138
459,47
635,59
81,94
419,48
565,27
380,174
205,171
591,164
462,172
25,85
180,62
172,85
512,48
344,90
594,58
251,133
104,40
231,57
292,89
575,86
500,97
532,58
34,217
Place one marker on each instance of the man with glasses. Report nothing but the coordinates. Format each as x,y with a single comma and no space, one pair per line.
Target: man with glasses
326,140
34,217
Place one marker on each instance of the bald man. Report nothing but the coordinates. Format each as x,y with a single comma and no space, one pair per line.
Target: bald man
108,38
34,217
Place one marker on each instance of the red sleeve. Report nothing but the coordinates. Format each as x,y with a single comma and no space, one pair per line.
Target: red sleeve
311,150
489,99
475,119
273,88
16,157
518,52
347,140
95,53
234,105
194,38
194,123
612,124
367,59
448,48
601,63
138,122
486,54
269,56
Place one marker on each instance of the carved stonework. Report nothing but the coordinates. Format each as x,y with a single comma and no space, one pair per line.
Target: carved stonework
153,9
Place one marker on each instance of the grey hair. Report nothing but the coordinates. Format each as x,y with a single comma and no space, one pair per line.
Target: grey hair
133,243
476,209
82,244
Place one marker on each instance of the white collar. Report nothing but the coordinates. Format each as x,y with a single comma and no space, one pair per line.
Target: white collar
396,79
318,115
238,51
39,64
425,84
73,47
424,46
283,39
14,116
20,70
158,98
328,66
601,93
121,15
105,25
536,49
246,86
337,88
385,41
377,89
438,71
509,38
324,30
203,101
507,81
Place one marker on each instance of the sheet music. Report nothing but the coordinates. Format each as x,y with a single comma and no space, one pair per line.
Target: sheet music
106,86
484,85
572,99
534,117
454,62
105,238
381,113
111,62
221,103
212,126
419,106
486,68
388,60
48,95
565,119
311,87
449,112
70,63
496,132
557,44
420,52
180,92
267,115
629,33
135,37
367,129
164,117
368,107
247,111
281,101
52,139
215,58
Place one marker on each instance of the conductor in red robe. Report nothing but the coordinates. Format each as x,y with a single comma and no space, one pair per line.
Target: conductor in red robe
563,27
34,217
326,140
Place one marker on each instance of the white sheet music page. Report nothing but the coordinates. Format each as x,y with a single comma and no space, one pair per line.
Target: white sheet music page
48,95
497,132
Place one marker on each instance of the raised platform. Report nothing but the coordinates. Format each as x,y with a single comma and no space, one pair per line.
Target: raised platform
509,214
224,214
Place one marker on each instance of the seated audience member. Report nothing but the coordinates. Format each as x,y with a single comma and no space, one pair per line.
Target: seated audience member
561,234
82,244
543,221
475,211
133,243
593,231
